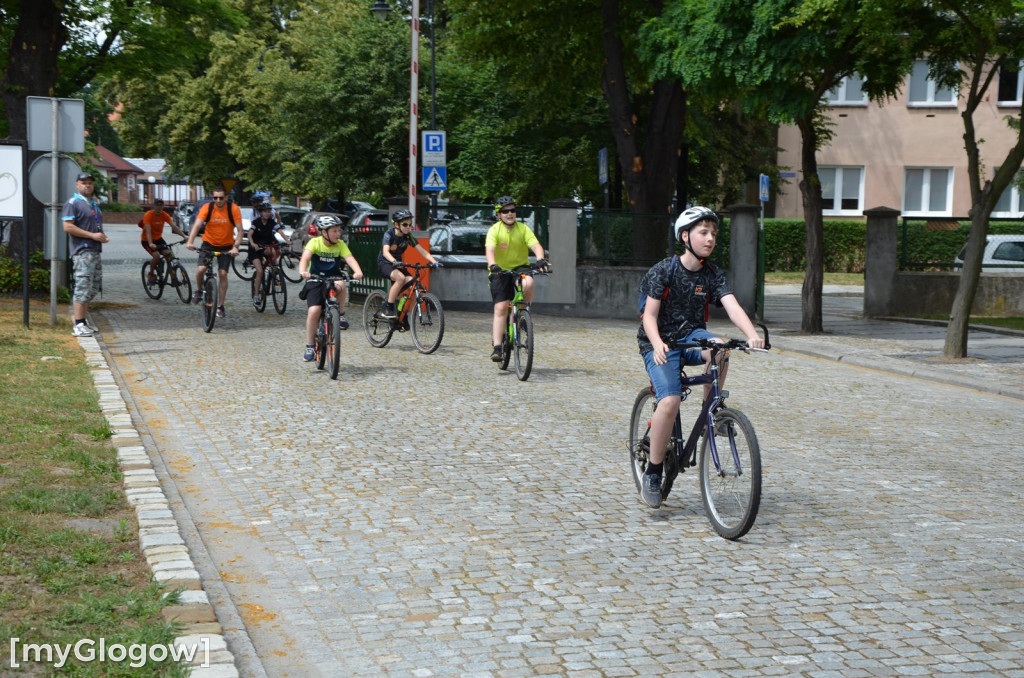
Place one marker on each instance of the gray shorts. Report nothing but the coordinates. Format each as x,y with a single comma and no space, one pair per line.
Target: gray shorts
88,276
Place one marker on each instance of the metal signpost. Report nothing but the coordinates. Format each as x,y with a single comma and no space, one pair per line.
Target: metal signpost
55,125
763,196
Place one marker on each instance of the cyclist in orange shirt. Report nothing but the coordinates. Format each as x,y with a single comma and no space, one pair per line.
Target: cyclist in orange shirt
153,234
220,236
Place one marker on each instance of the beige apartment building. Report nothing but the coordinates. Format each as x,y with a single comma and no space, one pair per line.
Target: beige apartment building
907,153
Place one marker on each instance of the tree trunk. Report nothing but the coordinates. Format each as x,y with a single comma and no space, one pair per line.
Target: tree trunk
649,164
810,190
31,71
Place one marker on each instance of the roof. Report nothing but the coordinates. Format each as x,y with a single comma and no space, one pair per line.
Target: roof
148,165
116,162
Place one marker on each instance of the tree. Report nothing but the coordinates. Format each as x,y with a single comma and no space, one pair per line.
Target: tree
779,58
967,45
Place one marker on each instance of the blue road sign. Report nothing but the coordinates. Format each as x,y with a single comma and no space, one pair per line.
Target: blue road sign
763,192
433,150
435,178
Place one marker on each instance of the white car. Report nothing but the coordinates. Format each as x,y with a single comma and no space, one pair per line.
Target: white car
1003,254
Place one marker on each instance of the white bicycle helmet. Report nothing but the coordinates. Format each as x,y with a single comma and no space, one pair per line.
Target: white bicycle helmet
691,217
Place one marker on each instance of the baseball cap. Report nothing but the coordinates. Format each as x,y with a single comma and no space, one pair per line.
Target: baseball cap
82,176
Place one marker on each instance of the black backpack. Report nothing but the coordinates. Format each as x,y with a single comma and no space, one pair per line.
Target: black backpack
209,212
641,302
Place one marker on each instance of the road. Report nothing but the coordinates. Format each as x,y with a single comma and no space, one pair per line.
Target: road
432,516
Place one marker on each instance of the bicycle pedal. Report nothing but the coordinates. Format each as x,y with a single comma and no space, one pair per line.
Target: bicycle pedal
724,395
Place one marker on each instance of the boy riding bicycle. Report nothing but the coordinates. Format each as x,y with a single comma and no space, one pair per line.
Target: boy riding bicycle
507,247
396,241
153,242
324,255
261,236
678,292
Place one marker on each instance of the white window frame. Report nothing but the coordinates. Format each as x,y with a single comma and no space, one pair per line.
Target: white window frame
1014,103
841,175
930,88
1016,202
926,184
837,95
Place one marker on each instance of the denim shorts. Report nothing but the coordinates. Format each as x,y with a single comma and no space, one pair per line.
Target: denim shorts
665,378
88,275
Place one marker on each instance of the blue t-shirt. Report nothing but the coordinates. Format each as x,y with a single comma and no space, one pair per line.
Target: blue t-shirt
85,214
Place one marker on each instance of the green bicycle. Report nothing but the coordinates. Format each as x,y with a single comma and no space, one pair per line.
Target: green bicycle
518,340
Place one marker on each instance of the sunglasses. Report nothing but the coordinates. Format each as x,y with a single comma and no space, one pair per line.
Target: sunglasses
510,210
218,197
405,224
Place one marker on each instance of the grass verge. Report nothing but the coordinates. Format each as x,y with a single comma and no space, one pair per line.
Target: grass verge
70,564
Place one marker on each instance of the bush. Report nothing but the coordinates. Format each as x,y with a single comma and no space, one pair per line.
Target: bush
38,275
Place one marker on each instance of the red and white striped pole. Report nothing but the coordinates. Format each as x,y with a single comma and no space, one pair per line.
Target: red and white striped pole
414,101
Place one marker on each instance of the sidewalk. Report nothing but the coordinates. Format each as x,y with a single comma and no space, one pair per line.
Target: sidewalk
995,361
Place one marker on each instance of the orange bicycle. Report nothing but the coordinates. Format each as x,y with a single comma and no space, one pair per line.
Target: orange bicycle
418,310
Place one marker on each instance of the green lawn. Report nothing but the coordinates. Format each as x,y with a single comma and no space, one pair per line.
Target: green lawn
70,564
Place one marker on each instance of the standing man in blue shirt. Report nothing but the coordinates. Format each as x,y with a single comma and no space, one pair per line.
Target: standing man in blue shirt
83,222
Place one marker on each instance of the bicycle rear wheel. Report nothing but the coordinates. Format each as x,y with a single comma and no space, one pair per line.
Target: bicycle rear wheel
257,290
178,277
334,340
378,330
639,435
427,320
241,265
290,266
524,345
279,290
211,290
156,289
731,495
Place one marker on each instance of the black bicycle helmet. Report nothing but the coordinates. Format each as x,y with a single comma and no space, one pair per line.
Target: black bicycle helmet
265,205
400,215
325,221
504,201
691,217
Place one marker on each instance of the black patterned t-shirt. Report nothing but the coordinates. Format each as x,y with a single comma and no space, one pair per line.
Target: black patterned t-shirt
689,295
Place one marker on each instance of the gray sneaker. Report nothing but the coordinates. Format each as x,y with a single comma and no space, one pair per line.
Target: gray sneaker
197,297
92,328
650,490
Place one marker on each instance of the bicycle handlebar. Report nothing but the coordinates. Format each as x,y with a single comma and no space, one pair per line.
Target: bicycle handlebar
728,345
532,270
402,264
320,277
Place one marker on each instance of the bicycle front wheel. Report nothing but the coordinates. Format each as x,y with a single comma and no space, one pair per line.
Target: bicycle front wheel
290,266
211,290
334,340
732,490
241,265
181,282
378,330
279,290
320,342
155,289
524,345
427,320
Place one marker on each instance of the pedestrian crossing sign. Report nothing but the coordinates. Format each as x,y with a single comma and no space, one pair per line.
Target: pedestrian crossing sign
435,178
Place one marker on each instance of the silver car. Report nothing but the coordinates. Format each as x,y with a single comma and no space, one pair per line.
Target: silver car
1003,254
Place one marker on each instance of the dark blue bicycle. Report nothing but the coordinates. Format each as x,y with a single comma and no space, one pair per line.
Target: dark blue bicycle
730,457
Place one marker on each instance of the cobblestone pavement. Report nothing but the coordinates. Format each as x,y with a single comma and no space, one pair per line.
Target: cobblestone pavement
432,516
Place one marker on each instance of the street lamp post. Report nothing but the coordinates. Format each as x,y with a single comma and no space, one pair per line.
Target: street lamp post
380,10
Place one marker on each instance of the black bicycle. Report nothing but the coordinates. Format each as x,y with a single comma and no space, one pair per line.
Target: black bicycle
272,285
730,457
209,289
327,343
169,271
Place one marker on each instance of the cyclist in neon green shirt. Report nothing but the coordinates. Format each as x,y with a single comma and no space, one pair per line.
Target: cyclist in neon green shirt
508,246
324,255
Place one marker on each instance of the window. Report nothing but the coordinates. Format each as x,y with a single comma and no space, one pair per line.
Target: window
842,189
928,191
924,91
1011,85
849,92
1011,202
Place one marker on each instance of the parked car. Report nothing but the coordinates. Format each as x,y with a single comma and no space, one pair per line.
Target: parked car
350,207
305,230
290,217
459,242
183,214
1003,254
365,220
